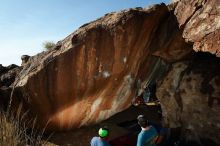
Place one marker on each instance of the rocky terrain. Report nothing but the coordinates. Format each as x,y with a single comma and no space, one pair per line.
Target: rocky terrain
95,72
7,77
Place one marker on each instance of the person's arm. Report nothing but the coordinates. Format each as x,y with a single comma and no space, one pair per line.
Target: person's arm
151,141
139,141
162,135
159,139
154,137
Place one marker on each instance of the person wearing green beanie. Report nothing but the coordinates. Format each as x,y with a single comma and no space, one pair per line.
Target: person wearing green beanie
101,140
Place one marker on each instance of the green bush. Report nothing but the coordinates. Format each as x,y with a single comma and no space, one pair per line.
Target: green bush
48,45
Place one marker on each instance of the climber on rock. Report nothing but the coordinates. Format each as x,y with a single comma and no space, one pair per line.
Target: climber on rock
137,101
147,97
143,98
148,135
102,139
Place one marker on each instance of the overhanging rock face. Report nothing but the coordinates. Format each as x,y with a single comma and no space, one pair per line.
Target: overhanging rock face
96,71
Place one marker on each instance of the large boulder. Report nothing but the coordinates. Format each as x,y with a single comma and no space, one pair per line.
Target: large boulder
96,71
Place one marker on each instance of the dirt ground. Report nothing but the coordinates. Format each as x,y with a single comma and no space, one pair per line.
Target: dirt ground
82,136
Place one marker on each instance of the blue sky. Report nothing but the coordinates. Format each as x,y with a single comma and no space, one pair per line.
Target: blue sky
26,24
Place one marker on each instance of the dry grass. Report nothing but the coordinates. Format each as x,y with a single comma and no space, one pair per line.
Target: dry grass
14,132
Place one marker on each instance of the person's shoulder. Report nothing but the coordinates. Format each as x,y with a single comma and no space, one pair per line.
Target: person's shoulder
154,130
95,138
140,135
152,127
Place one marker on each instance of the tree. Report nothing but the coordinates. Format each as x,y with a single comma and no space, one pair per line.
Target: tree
48,45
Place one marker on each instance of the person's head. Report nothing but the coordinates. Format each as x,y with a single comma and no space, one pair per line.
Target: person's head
142,121
103,132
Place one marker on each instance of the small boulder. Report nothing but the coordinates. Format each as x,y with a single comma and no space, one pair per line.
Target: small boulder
24,59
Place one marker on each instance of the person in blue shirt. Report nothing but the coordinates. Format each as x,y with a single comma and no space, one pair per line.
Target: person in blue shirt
148,135
101,140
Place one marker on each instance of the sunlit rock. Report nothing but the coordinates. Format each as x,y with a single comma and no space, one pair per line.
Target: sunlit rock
92,74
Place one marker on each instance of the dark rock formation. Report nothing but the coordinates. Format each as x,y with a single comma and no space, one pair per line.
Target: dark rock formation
8,74
190,97
7,78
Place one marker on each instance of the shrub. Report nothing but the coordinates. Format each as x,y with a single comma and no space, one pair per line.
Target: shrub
48,45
